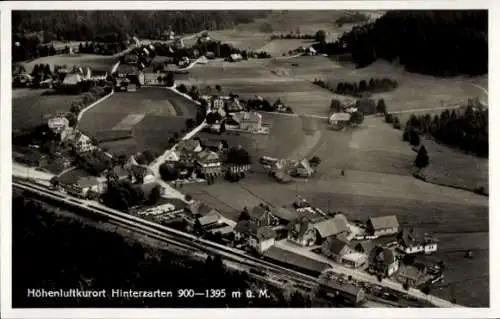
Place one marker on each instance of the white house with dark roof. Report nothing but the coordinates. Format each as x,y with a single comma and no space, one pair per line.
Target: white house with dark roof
384,261
383,226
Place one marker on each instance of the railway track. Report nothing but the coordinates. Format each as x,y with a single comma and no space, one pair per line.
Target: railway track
173,237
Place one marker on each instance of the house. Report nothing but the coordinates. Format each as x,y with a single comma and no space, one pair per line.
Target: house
208,163
141,174
82,143
98,75
235,57
310,51
383,226
131,58
119,173
58,125
210,219
413,275
302,230
130,72
384,261
84,186
339,250
410,243
348,292
213,145
304,169
197,208
365,247
171,156
262,216
336,226
249,121
259,238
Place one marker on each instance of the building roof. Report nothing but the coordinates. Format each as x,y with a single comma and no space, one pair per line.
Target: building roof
72,79
305,165
411,272
199,208
283,213
366,246
245,227
126,69
265,232
211,218
335,245
210,143
88,181
207,156
382,222
258,211
297,260
333,226
344,287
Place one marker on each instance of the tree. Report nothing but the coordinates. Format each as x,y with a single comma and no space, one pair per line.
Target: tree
218,89
54,181
238,156
182,88
222,127
244,215
357,118
190,123
168,172
406,286
395,123
335,106
155,195
320,36
426,289
413,138
422,159
169,80
315,161
381,107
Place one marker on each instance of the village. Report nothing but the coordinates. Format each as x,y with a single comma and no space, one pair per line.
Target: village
93,164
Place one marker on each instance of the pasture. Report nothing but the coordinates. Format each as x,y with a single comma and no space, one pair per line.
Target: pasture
29,110
151,115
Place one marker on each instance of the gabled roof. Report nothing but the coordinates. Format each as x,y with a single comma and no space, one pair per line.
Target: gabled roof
283,213
126,69
390,221
88,181
266,232
366,246
305,165
336,244
258,211
120,171
72,79
245,227
332,226
344,287
210,218
199,208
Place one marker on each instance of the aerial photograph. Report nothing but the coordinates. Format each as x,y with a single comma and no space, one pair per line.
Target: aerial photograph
250,159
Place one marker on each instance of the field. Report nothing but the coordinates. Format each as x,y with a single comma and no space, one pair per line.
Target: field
95,62
377,182
152,115
29,107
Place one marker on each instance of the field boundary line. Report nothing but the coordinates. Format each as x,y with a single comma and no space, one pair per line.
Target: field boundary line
80,115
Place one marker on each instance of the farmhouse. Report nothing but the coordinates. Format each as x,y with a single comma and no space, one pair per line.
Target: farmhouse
213,145
383,226
410,243
304,169
339,249
119,173
130,72
384,261
302,230
141,174
83,186
59,125
262,216
208,163
233,106
210,219
249,121
235,57
259,238
336,226
82,143
413,275
345,291
171,156
365,247
188,146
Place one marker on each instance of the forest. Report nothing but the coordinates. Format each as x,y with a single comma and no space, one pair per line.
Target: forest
440,43
54,252
98,25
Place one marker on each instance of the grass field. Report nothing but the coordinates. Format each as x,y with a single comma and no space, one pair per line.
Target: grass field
95,62
152,114
28,111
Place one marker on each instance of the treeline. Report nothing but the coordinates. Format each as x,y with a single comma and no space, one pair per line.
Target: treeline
69,254
352,17
442,43
118,25
102,48
365,106
287,36
467,130
362,88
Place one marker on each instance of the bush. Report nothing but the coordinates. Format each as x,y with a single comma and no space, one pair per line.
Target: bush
388,118
395,123
182,88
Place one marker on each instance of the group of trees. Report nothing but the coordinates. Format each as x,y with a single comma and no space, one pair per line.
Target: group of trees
123,195
291,35
364,106
27,48
102,48
84,100
362,88
467,129
263,104
442,43
94,162
70,254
